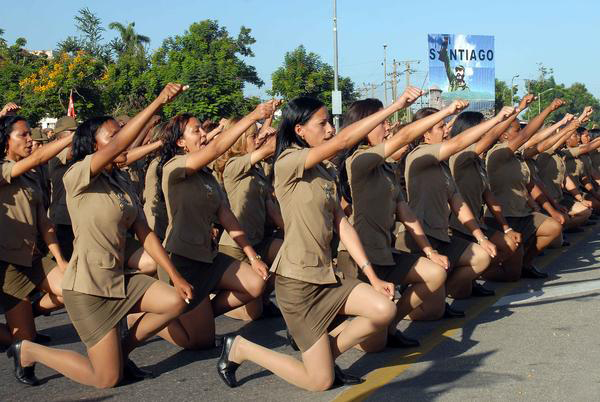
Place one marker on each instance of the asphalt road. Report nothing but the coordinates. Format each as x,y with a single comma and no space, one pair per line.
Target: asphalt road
535,340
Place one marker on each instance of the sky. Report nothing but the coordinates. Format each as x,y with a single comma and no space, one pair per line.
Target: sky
554,33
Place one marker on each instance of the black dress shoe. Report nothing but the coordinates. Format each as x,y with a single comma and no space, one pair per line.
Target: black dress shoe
219,341
480,291
341,378
291,341
132,372
397,340
532,273
42,339
225,367
565,243
449,312
25,375
270,310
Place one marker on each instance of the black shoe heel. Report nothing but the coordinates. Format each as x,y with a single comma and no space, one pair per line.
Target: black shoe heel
291,341
25,375
225,367
343,378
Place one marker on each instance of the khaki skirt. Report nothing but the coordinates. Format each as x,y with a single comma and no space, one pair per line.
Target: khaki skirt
94,316
261,249
309,309
18,281
403,263
453,249
203,276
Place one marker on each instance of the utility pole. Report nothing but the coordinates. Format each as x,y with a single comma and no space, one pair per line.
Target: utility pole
408,71
336,95
385,75
394,75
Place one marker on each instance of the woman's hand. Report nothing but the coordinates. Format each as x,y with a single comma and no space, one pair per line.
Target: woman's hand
489,247
385,288
439,259
170,92
260,268
183,288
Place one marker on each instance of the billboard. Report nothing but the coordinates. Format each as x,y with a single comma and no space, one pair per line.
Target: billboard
462,67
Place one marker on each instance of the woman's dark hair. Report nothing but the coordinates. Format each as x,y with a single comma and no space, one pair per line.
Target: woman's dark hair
297,111
356,111
172,131
6,127
580,130
419,114
84,138
465,121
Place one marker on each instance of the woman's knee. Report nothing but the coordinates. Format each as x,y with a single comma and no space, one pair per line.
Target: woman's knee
481,259
433,275
108,380
322,382
383,311
255,286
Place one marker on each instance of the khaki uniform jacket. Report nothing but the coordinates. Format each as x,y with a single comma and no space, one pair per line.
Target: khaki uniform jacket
308,200
57,167
22,206
155,209
509,177
247,190
551,170
375,197
430,186
102,209
574,165
595,155
468,171
193,203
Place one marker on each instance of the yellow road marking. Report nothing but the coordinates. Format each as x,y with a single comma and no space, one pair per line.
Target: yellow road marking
399,363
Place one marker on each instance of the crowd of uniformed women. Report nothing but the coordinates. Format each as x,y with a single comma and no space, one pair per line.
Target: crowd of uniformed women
141,227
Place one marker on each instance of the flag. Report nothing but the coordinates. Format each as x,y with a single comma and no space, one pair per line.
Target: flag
71,110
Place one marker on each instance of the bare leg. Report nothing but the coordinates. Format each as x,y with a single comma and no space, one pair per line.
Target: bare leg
239,285
579,215
141,261
548,231
194,329
432,308
102,368
20,322
472,263
506,267
53,299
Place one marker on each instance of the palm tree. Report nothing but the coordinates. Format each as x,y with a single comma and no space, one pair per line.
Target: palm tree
130,42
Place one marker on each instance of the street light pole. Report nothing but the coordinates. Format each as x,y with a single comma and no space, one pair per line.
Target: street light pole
385,75
540,99
336,96
512,89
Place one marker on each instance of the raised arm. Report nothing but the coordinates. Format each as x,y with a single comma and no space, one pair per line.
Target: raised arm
198,159
490,137
469,136
131,130
266,149
564,134
536,123
40,156
542,139
414,130
138,153
355,132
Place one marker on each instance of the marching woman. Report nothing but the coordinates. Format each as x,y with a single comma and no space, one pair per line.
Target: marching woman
432,194
155,209
249,194
195,202
510,182
96,288
308,292
22,218
469,173
368,184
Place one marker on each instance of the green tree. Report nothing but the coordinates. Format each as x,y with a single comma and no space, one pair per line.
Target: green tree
503,94
130,42
210,61
91,29
305,74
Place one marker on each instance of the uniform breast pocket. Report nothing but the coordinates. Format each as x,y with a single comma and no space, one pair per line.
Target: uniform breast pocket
102,260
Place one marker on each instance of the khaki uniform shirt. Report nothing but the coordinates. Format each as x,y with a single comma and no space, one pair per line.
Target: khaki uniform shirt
155,209
22,206
587,165
551,170
192,206
102,209
509,178
429,186
57,167
574,165
375,197
135,171
469,173
308,200
247,190
595,155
